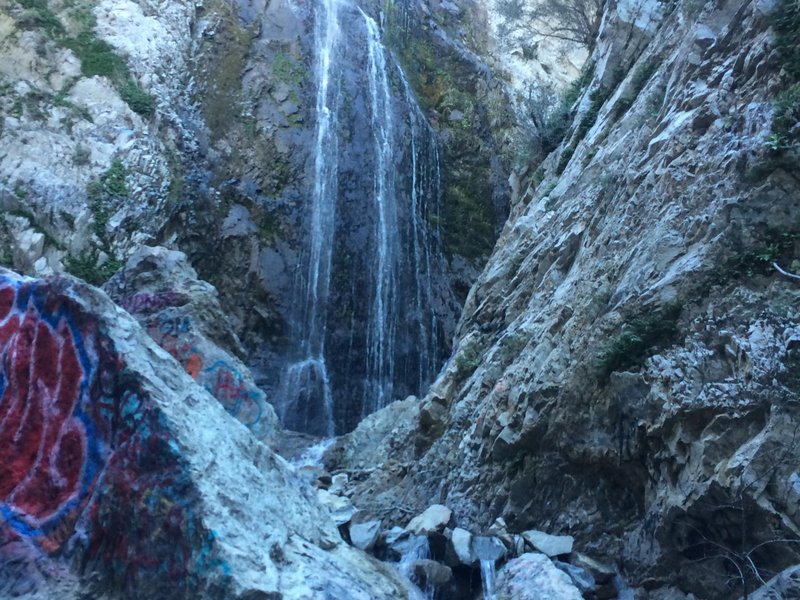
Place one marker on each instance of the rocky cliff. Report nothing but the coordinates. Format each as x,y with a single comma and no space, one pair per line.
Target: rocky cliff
625,368
193,126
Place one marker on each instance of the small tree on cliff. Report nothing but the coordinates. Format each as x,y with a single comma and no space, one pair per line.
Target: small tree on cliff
574,21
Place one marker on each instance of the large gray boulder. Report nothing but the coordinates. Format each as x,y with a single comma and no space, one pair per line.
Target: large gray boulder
113,459
551,545
534,577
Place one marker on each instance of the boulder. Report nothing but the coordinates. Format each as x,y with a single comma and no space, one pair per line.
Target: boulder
582,578
339,483
499,527
364,535
183,315
113,459
533,576
461,545
551,545
405,546
425,572
602,573
488,548
340,507
434,519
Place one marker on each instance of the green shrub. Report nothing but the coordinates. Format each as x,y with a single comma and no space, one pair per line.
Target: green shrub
596,100
140,101
786,24
97,57
84,266
468,358
102,192
81,156
639,338
113,180
638,80
786,119
40,16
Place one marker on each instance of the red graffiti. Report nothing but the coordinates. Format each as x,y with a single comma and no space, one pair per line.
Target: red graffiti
43,448
229,389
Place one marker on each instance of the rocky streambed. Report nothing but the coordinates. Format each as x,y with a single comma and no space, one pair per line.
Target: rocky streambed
441,559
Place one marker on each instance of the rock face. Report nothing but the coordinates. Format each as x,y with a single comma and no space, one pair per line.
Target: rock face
183,315
83,164
118,465
193,126
785,585
625,370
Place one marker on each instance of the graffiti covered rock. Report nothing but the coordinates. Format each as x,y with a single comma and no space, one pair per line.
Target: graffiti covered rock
183,315
117,468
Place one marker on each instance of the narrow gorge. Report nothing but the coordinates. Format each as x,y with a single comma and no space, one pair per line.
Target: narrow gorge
444,299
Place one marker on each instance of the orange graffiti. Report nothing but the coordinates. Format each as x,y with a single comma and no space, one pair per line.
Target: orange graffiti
194,365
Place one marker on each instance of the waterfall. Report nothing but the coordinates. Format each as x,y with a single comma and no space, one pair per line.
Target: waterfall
487,579
418,549
425,184
306,381
364,321
382,324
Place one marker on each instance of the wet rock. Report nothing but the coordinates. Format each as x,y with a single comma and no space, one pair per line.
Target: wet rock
426,572
364,535
461,544
602,573
340,507
582,578
238,223
499,527
518,548
533,577
398,541
433,520
488,548
339,483
551,545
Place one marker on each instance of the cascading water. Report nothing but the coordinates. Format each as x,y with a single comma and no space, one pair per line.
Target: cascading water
382,324
488,549
366,324
417,548
487,579
306,388
425,180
